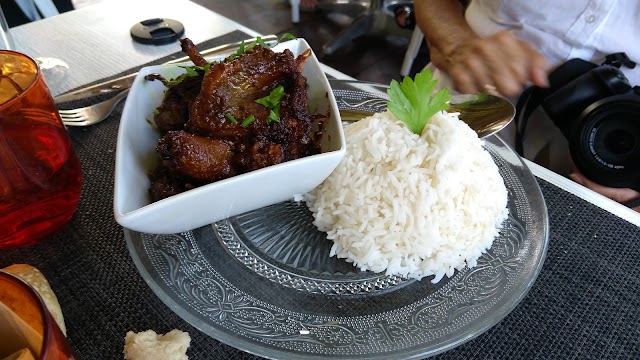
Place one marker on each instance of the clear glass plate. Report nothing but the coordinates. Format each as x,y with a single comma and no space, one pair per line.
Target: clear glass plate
263,281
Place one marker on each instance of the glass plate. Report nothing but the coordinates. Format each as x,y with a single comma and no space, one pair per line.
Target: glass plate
263,281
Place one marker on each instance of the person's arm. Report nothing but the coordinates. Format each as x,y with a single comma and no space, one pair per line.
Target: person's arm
474,63
621,195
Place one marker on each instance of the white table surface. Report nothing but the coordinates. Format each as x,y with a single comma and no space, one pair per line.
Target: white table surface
95,42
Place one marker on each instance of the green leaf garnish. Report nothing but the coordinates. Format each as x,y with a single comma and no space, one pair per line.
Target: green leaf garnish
412,101
286,36
274,115
231,118
272,101
248,120
261,42
156,112
244,48
191,71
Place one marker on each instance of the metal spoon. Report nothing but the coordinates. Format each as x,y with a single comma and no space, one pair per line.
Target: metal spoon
486,114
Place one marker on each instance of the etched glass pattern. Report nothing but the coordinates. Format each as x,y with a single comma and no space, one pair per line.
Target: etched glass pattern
263,281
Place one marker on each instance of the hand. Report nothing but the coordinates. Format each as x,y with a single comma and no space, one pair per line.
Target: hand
621,195
500,61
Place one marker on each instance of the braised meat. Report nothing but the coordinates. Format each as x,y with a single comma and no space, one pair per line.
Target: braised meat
196,158
227,118
173,113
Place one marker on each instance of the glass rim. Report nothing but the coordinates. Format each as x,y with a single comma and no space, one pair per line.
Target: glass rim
33,82
39,303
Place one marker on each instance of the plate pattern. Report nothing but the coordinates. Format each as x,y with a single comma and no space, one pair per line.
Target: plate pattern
276,247
194,279
295,254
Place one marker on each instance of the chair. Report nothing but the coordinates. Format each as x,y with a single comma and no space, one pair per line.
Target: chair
375,16
370,17
295,11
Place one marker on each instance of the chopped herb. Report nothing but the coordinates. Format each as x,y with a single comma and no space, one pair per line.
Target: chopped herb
412,101
286,36
156,112
191,71
259,41
262,43
246,122
274,115
231,118
272,101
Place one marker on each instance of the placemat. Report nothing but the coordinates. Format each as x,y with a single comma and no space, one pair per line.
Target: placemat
585,303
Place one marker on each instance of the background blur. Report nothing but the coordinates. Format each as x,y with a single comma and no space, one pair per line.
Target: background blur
375,57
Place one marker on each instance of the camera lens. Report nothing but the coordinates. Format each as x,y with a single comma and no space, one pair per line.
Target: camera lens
620,142
605,142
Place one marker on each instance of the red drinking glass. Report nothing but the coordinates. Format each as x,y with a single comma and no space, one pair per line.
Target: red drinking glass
40,175
26,324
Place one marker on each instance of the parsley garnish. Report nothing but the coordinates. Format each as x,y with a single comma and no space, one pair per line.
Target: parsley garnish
248,120
272,101
191,71
259,41
287,36
231,118
412,103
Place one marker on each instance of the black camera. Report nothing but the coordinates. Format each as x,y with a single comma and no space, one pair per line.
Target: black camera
598,111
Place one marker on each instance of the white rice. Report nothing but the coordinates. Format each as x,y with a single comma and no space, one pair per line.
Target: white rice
409,205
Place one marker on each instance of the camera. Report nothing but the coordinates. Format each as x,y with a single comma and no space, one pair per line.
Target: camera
598,112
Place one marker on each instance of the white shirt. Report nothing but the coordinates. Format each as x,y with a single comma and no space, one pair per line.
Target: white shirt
560,30
563,30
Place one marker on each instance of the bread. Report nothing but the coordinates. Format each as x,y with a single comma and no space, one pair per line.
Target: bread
149,345
23,354
36,279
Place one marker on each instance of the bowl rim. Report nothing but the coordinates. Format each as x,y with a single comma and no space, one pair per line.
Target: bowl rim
125,216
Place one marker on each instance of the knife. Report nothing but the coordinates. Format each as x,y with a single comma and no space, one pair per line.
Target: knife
125,82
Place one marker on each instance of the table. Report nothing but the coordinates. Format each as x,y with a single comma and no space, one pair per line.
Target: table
584,304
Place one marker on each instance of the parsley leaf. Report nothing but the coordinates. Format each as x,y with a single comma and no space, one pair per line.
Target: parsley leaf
248,120
287,36
272,101
191,71
231,118
412,101
259,41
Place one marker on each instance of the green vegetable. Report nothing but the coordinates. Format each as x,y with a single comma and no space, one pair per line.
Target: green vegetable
191,71
286,36
249,119
231,118
412,101
259,41
272,101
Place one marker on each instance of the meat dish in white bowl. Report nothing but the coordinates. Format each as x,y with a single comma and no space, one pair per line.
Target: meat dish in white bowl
205,141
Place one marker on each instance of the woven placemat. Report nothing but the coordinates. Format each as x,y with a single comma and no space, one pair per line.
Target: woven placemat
585,303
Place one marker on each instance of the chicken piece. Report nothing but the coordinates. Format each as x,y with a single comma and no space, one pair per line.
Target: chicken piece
258,155
196,158
189,48
233,87
201,118
295,129
173,112
165,184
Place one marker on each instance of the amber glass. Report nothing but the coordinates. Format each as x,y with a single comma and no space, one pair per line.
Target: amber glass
30,309
40,175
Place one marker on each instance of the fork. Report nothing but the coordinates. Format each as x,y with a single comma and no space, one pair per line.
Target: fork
91,114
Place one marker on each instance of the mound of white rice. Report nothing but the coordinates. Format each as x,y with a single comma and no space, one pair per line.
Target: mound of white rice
409,205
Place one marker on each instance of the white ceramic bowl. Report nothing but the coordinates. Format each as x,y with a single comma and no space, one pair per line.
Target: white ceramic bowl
136,157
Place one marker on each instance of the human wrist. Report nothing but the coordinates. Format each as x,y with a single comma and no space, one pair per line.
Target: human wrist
454,42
